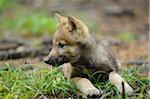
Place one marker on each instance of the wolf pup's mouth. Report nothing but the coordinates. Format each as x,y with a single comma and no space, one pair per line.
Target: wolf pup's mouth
57,61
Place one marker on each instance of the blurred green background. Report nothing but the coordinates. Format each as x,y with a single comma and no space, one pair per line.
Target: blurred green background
123,19
117,20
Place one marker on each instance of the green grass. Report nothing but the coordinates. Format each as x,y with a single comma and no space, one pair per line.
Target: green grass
35,23
21,84
22,20
134,78
17,83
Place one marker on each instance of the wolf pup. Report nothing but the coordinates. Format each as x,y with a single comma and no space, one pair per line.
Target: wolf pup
76,51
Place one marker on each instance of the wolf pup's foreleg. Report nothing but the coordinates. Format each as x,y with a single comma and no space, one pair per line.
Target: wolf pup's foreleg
86,87
66,69
83,84
117,80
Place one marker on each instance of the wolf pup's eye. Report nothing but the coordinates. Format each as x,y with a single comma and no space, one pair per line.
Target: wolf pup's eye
61,45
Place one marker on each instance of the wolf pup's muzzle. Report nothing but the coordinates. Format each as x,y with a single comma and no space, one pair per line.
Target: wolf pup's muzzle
56,61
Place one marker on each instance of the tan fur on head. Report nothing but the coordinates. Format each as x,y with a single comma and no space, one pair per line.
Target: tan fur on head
77,29
80,26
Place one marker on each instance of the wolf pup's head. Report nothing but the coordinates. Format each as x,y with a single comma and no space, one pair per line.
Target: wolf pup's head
67,40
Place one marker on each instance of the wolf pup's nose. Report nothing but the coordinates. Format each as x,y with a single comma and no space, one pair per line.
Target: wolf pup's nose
46,61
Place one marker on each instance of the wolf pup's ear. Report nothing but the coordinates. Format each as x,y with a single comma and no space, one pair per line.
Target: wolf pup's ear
77,28
72,23
61,19
75,24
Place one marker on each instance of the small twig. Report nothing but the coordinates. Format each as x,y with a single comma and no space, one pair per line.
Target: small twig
123,91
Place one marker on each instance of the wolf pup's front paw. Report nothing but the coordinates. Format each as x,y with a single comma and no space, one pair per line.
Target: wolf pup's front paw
93,93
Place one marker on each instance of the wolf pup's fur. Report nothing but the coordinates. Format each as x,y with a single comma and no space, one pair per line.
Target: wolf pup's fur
76,51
